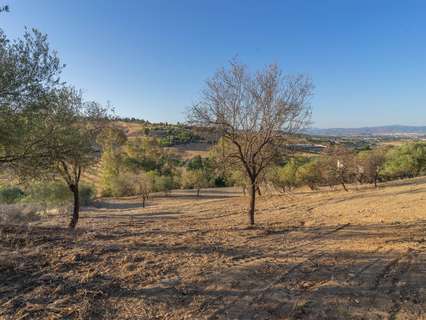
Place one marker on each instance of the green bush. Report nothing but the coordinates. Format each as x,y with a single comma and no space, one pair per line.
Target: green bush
87,194
163,184
120,186
57,194
309,174
405,161
9,195
51,193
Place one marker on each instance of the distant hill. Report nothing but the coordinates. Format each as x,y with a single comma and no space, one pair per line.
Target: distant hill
393,130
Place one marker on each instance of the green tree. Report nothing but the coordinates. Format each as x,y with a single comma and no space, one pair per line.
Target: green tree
309,174
195,179
284,177
29,71
406,161
71,146
112,140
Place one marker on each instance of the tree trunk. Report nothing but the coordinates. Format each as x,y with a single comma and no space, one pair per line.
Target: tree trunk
252,203
375,180
143,201
76,207
344,186
198,192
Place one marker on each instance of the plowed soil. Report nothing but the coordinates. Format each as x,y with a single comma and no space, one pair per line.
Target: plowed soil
327,254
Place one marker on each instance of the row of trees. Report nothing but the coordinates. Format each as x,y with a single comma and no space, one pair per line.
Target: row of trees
341,166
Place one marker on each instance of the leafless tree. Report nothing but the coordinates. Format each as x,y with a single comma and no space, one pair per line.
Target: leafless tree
254,113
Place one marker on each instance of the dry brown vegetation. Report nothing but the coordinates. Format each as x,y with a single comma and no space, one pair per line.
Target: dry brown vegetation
313,255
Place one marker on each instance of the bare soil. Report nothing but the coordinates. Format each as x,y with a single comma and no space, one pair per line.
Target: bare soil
313,255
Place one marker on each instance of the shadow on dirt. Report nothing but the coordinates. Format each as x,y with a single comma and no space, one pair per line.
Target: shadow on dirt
52,272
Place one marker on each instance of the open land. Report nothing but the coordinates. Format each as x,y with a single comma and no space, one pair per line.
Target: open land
327,254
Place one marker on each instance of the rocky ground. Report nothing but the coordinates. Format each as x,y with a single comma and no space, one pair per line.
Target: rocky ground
312,255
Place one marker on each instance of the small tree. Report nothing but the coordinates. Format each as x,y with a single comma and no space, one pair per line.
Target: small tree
71,147
111,140
406,161
195,179
143,186
369,164
309,174
284,177
253,113
341,165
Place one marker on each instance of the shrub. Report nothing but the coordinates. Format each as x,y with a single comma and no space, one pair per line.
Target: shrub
309,174
284,177
121,186
50,193
406,161
87,194
57,194
195,179
9,195
163,183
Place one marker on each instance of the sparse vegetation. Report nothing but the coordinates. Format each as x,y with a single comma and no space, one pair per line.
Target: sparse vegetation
161,236
252,114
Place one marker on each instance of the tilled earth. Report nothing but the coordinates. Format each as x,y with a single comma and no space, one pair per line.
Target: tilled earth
312,255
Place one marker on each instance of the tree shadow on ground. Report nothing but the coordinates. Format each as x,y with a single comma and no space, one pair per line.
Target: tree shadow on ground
307,279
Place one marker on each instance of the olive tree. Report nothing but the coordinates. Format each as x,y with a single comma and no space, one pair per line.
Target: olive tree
29,70
254,113
71,145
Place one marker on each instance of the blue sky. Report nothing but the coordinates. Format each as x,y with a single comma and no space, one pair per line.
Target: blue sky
150,59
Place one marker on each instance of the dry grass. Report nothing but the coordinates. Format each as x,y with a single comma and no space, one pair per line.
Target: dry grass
321,255
21,214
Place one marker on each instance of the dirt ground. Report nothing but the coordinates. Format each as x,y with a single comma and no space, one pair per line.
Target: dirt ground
313,255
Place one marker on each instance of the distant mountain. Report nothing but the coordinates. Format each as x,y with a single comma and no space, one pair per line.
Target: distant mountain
393,130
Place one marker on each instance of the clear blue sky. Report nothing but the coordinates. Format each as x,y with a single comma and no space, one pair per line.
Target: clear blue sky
150,58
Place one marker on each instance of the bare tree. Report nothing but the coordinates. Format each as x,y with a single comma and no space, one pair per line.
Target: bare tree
254,113
341,165
369,164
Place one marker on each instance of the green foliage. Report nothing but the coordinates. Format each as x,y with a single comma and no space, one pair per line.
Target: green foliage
54,193
194,179
9,195
309,174
29,71
57,193
120,186
284,177
163,184
406,161
173,135
195,163
87,194
239,178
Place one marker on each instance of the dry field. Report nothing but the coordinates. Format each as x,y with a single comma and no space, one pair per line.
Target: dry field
312,255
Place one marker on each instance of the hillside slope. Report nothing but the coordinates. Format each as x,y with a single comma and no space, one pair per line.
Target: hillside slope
313,255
